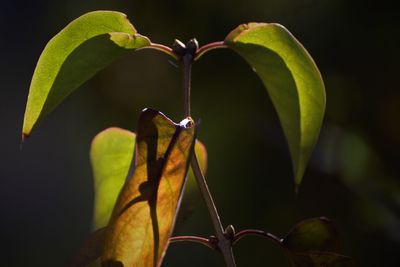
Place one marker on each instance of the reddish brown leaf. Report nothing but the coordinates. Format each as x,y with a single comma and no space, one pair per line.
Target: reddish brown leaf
145,212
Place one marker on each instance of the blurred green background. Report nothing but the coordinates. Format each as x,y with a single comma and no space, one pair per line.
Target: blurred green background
46,190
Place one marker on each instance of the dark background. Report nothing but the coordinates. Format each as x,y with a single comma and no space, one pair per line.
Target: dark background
46,193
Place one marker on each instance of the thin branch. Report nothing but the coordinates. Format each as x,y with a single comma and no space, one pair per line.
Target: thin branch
187,80
244,233
224,244
219,230
195,239
208,47
162,48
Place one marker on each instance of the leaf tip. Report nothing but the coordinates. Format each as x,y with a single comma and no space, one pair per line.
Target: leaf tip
24,136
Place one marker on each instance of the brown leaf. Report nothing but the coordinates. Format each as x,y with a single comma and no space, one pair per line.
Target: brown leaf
145,212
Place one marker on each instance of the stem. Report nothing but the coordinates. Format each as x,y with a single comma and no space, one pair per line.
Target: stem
224,244
243,233
162,48
208,47
187,70
195,239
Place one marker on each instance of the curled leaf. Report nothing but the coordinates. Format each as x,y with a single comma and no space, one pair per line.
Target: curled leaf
85,46
111,156
145,212
292,80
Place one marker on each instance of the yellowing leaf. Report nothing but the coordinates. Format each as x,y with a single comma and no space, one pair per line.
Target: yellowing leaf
145,212
84,47
292,80
111,155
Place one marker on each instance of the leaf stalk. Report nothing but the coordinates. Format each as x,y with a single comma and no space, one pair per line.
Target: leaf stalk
194,239
162,48
261,233
208,47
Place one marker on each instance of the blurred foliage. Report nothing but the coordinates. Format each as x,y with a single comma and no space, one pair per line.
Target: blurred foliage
314,242
354,176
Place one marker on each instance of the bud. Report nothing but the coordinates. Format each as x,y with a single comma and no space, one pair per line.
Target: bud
179,48
192,46
230,232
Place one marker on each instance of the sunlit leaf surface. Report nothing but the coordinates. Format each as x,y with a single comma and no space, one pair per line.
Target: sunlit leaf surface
144,215
84,47
292,80
111,155
314,243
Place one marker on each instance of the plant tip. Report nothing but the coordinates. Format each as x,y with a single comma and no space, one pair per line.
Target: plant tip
230,232
179,48
192,46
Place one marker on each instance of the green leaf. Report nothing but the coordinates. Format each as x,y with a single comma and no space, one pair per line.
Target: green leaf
111,155
87,45
314,243
145,212
292,80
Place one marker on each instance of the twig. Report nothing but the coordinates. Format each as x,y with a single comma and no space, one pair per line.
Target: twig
195,239
224,244
161,48
244,233
208,47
